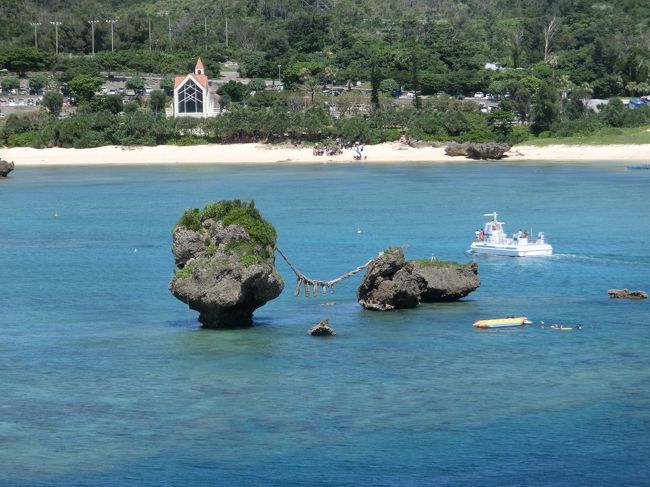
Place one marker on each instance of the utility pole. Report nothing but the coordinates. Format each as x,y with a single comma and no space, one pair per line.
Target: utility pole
35,25
279,77
92,29
56,35
165,13
205,25
150,33
226,31
112,22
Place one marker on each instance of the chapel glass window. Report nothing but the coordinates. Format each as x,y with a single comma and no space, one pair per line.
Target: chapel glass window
190,98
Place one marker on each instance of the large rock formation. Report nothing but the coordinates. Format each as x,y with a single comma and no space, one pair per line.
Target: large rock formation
447,281
225,256
627,294
455,149
391,283
488,150
5,168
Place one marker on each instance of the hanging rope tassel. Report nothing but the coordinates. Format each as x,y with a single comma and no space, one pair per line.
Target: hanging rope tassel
312,285
298,284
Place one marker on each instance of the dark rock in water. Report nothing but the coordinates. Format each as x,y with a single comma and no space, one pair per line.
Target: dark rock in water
225,255
489,150
322,329
447,281
391,283
627,294
5,168
455,149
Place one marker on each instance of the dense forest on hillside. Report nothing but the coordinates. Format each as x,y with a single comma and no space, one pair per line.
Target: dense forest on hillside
539,60
603,44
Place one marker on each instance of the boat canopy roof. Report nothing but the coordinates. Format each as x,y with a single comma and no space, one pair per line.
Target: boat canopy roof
494,217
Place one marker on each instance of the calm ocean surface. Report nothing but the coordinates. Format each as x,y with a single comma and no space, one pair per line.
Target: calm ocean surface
107,380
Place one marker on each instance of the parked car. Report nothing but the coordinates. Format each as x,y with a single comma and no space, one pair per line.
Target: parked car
479,94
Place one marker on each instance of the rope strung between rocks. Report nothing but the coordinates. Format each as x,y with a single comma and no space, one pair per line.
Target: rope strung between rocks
313,285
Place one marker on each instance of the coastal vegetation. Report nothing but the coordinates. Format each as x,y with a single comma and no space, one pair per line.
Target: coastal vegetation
603,136
438,263
136,124
260,242
368,72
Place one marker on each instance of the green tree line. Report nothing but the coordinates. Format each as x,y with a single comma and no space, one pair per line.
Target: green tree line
604,46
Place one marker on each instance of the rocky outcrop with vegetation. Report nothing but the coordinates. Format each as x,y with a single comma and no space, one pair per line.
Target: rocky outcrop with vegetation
390,283
447,281
226,264
5,168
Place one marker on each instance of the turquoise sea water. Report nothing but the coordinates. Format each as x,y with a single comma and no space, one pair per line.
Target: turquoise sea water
107,380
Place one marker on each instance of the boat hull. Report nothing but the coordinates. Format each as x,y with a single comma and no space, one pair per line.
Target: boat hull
511,250
502,322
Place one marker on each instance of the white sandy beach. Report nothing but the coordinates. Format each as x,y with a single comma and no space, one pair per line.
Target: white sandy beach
266,154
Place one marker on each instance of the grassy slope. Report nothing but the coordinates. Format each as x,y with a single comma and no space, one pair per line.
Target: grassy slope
606,136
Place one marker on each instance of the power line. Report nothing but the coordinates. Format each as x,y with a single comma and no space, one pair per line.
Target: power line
112,22
92,29
35,25
56,34
165,13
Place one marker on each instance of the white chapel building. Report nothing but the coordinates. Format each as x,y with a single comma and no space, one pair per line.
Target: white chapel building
192,95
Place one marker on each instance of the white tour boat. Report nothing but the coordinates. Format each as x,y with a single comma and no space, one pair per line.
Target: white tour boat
494,241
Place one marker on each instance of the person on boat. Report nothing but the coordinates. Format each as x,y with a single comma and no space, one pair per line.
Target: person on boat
481,235
578,326
477,234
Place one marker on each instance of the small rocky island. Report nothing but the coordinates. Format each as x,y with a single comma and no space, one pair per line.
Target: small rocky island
392,282
226,263
627,294
5,168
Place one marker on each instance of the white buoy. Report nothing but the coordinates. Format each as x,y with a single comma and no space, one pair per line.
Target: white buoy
135,250
56,215
358,230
